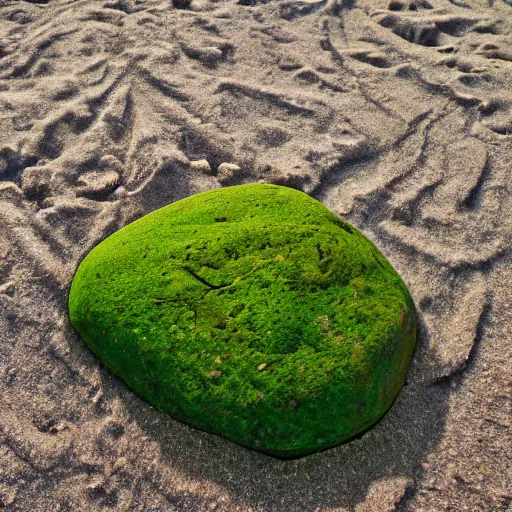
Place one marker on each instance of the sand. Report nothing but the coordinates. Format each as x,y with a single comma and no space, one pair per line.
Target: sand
397,116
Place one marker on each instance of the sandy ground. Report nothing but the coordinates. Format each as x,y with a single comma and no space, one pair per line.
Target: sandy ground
397,116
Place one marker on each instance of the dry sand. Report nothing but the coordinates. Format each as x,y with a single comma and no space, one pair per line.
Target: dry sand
397,116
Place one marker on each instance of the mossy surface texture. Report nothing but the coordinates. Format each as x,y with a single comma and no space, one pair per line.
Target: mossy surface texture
251,312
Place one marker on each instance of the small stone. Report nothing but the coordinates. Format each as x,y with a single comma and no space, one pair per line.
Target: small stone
226,172
120,191
202,166
207,55
63,425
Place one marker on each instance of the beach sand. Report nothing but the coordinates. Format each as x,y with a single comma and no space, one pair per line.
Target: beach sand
396,115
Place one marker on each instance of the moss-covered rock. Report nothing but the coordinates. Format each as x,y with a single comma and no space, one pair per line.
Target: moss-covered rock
252,312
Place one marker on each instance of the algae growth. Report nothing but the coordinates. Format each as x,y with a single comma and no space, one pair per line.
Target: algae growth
251,312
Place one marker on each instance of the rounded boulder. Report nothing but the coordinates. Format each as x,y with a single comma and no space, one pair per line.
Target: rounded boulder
251,312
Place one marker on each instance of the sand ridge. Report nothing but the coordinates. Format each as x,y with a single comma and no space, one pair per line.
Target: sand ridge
397,116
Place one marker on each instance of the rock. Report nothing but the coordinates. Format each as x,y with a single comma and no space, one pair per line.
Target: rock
226,172
185,303
293,180
202,166
120,192
208,55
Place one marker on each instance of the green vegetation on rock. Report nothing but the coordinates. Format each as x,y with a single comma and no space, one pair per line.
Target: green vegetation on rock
251,312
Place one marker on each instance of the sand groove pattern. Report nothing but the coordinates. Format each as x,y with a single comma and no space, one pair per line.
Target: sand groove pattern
395,114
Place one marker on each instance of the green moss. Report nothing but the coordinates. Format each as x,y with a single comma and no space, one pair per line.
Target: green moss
252,312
